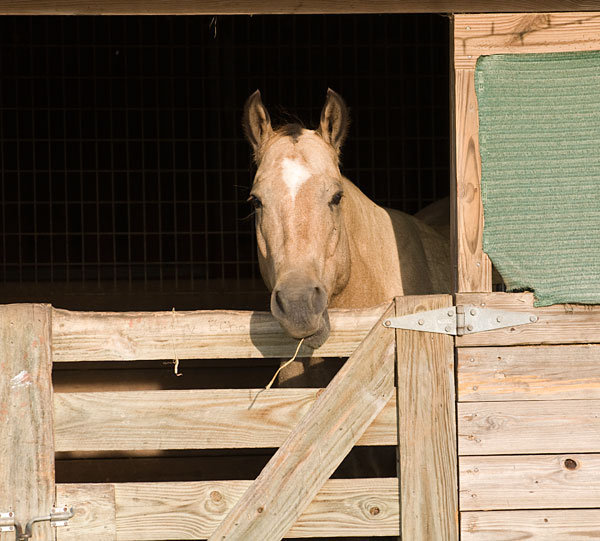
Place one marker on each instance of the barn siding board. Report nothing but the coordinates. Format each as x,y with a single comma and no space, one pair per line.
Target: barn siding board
546,525
528,373
529,482
553,426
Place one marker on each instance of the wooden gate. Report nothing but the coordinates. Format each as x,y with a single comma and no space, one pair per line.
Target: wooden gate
314,429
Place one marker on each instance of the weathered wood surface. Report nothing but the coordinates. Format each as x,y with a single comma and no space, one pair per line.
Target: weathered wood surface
529,482
95,512
318,444
474,270
426,426
553,426
193,419
546,525
158,511
236,7
557,324
26,441
528,373
218,334
485,34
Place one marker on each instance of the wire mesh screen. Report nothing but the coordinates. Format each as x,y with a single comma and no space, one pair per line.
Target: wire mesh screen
122,155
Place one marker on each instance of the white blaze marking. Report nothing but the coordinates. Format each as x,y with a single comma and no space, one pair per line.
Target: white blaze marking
294,175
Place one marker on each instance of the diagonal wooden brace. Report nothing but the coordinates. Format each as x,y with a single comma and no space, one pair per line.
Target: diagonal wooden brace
319,443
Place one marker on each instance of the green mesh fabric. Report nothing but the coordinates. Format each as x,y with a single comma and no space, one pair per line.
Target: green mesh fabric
539,133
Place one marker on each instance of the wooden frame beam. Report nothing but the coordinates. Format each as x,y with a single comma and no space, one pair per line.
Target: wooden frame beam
255,7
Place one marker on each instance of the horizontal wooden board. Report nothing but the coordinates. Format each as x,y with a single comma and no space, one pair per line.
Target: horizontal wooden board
484,34
192,419
557,324
95,511
546,525
553,426
528,373
153,511
208,334
220,7
529,482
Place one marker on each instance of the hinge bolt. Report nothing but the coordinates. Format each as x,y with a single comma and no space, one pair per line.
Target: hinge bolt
533,319
499,319
450,313
421,322
469,327
387,322
473,311
448,328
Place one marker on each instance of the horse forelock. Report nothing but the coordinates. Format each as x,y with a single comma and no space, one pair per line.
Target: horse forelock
294,131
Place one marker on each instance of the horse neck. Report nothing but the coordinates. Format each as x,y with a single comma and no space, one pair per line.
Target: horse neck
372,243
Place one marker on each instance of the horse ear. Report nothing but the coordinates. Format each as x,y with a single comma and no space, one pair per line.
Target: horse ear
256,122
334,120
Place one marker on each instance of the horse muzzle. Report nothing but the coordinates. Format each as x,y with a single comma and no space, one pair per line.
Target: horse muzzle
300,306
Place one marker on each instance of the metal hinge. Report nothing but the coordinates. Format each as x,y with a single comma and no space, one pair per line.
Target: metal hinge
59,516
460,320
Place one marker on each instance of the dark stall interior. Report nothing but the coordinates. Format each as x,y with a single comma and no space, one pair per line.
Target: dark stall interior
125,173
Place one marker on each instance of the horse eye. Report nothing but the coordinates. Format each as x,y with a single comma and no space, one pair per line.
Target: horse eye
255,201
335,200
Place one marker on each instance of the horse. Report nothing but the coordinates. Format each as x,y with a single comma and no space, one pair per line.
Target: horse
321,242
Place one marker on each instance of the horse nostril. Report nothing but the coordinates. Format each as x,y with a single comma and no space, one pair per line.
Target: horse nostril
319,299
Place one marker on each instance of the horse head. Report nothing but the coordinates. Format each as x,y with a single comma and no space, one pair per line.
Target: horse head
298,200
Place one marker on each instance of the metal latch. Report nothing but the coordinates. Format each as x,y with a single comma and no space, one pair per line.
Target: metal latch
59,516
460,320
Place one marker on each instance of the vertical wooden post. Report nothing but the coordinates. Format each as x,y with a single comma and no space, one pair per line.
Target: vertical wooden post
426,427
26,440
473,267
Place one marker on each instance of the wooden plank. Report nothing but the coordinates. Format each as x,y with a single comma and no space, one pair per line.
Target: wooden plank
529,482
220,7
95,517
318,444
426,426
554,426
546,525
528,373
557,324
192,510
26,445
485,34
192,419
474,270
208,334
